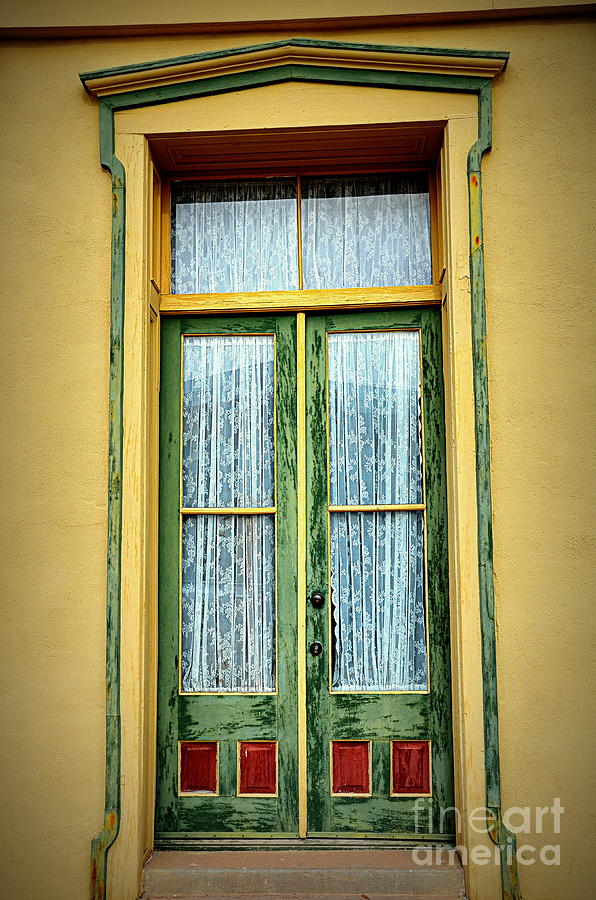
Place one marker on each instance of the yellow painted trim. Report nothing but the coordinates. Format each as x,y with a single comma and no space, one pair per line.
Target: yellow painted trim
228,511
301,301
430,767
257,741
199,793
389,61
301,575
460,133
380,507
165,238
352,793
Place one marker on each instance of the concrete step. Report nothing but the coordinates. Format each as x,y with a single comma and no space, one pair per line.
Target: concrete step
353,896
366,874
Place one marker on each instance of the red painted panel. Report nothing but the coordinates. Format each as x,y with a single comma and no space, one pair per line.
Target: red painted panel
198,766
411,767
258,767
351,767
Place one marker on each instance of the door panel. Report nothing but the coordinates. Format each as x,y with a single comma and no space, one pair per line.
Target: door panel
382,559
237,681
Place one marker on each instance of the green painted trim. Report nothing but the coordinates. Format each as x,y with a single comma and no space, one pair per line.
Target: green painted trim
497,830
108,106
221,84
319,842
102,841
292,42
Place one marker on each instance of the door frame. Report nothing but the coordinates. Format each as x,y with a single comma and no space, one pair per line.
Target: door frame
125,152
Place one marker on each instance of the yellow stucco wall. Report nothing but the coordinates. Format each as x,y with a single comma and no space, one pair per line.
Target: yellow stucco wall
539,222
71,13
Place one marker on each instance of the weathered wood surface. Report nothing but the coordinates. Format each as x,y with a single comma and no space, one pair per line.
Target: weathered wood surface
379,716
228,718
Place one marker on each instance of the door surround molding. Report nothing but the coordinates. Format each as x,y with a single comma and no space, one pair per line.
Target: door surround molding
130,618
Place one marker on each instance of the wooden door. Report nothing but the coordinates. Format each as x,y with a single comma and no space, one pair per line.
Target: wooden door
377,692
378,683
227,717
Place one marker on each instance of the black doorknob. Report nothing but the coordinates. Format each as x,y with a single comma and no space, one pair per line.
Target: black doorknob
317,599
316,648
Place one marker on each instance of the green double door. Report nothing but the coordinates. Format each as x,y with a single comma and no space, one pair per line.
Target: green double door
304,684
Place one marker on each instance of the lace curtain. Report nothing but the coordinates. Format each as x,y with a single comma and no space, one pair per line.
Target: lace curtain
357,231
377,558
228,561
234,236
366,231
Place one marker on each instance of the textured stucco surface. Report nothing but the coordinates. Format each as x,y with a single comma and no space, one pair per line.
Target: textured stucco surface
539,222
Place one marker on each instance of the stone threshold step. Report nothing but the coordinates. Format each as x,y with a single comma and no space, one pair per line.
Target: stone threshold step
351,896
300,874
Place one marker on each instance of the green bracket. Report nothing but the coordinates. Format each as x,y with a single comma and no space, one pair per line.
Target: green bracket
241,81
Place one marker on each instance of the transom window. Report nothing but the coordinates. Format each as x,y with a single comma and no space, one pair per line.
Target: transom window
280,234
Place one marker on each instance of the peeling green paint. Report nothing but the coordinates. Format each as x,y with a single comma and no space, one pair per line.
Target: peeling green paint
101,843
498,832
383,716
110,105
227,718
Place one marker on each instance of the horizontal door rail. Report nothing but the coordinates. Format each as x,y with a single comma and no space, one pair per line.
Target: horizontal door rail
380,507
302,300
228,511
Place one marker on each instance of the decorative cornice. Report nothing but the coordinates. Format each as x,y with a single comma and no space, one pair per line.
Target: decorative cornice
433,60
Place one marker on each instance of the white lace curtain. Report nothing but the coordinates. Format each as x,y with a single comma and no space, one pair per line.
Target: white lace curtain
377,558
234,236
228,561
357,231
366,231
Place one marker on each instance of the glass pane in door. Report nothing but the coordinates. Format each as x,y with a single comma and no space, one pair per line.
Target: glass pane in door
377,556
375,434
228,558
377,572
228,601
228,433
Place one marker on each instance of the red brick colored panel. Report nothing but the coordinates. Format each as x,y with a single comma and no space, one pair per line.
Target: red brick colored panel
351,767
411,767
198,767
258,767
